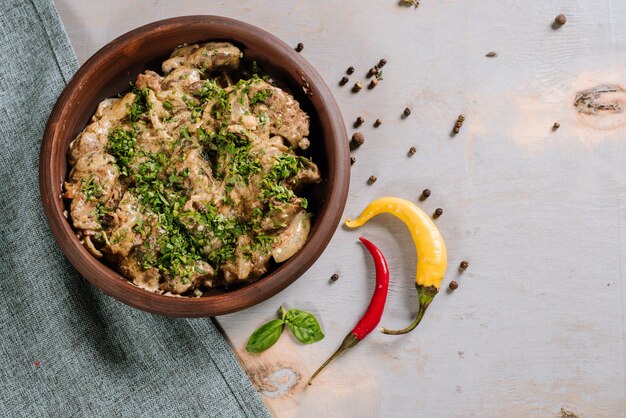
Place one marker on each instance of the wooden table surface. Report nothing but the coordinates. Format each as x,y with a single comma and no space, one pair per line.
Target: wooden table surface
536,327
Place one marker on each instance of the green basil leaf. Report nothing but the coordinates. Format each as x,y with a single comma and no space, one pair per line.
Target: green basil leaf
266,336
304,326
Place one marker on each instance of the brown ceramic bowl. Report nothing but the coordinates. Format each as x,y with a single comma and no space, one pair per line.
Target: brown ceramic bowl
108,72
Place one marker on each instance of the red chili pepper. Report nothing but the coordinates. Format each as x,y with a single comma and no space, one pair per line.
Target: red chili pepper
375,309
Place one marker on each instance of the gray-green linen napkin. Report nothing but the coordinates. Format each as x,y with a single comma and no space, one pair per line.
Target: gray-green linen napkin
65,348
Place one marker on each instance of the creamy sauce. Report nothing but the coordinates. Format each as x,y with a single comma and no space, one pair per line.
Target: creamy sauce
190,181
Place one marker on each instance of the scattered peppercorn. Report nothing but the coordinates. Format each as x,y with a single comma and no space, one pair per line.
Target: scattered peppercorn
334,277
556,126
409,3
412,151
350,70
372,71
373,83
464,265
300,47
425,194
453,285
458,124
352,160
560,20
377,123
438,212
491,54
344,80
406,112
359,121
382,63
357,86
358,138
372,179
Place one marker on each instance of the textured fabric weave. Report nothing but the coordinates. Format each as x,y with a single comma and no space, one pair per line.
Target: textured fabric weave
66,349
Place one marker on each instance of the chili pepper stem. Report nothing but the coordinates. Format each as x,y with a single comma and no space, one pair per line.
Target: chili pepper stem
425,295
350,341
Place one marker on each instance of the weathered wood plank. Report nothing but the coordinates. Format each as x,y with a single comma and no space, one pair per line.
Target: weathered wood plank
537,323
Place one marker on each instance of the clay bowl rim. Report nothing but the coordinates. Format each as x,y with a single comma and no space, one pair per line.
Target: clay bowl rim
292,65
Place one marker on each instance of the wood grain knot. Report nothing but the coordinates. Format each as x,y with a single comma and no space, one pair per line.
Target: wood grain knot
606,98
567,414
602,107
275,382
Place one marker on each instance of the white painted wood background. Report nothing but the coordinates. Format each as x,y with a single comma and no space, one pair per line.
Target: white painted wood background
537,323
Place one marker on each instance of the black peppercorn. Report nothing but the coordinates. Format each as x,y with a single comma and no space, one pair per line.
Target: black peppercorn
406,112
425,194
352,160
464,265
359,121
378,122
344,80
458,124
300,47
350,70
372,179
334,277
358,138
556,126
438,212
382,63
560,20
372,71
412,151
453,285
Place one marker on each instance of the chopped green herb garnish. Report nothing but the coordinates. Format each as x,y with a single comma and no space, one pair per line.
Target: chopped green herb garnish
91,189
260,96
121,145
184,132
140,105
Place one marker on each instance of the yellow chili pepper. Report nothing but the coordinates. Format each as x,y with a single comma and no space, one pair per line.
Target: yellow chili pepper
429,245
